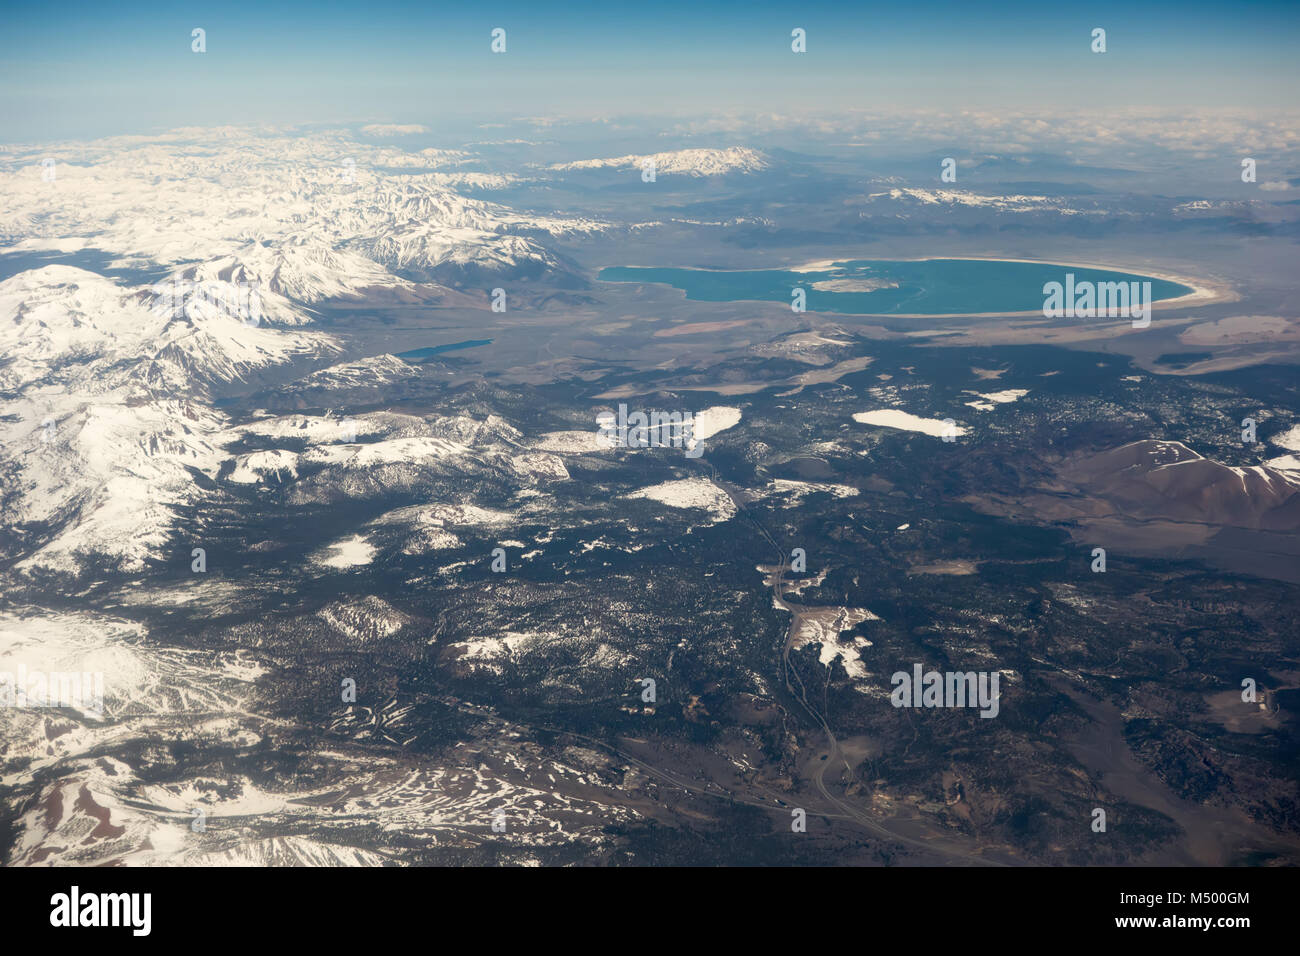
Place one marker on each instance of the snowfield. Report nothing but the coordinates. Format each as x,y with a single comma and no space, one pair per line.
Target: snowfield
691,493
348,553
904,421
713,420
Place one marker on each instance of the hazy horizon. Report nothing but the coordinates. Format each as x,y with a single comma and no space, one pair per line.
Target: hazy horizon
124,72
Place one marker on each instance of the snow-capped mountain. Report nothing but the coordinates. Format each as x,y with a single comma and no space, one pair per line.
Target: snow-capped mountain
688,162
373,372
295,272
108,383
962,198
102,486
107,411
311,216
1168,478
89,334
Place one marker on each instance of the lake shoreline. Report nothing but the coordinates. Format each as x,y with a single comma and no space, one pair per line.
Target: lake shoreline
1201,292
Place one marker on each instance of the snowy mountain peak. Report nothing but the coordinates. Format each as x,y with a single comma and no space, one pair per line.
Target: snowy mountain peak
689,162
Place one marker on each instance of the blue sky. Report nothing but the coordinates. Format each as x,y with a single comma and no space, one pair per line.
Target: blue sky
80,70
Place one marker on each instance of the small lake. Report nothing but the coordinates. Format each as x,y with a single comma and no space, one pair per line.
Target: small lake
888,286
416,354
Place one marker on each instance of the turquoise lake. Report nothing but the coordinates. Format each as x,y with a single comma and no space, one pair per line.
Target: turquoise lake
929,287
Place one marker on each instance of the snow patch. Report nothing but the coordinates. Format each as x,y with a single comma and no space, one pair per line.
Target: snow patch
691,493
904,421
348,553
